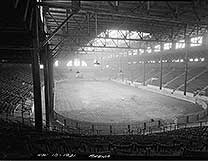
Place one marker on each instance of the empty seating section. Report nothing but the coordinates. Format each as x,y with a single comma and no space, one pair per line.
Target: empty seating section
173,77
175,73
153,74
166,71
178,81
198,83
148,74
23,142
192,75
137,75
15,86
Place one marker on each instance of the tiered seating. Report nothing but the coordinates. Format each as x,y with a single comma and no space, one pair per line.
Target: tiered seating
180,80
173,78
15,137
176,72
137,75
149,74
153,74
165,72
198,83
191,74
22,142
15,87
177,82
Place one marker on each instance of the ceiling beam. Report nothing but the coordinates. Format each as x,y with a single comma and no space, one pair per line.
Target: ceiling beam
107,11
56,30
111,38
110,47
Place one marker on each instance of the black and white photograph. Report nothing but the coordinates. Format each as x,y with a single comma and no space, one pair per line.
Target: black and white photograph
103,80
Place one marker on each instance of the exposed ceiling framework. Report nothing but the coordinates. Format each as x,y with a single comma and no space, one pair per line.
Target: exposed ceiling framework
164,20
71,25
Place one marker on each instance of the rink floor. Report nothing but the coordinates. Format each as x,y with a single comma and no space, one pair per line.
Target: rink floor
110,102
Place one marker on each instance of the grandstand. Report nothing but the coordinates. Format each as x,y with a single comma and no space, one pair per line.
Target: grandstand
103,80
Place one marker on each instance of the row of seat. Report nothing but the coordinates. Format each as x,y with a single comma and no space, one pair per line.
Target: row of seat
15,86
173,77
21,141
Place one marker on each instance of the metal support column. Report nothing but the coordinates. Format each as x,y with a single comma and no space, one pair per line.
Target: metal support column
173,45
51,88
161,68
46,83
205,40
96,24
88,24
186,60
144,73
67,23
36,78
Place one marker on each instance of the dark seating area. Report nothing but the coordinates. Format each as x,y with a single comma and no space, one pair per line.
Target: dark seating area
23,142
15,86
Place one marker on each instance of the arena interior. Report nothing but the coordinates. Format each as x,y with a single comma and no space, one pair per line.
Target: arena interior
103,79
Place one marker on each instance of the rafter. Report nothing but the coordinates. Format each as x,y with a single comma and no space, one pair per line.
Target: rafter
140,16
108,11
56,30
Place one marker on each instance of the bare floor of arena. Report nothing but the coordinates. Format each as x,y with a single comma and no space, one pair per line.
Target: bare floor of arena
110,102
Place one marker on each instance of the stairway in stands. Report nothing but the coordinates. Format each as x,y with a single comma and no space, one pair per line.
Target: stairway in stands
192,76
174,78
179,80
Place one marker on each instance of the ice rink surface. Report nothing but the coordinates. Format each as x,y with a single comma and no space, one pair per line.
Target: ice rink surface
110,102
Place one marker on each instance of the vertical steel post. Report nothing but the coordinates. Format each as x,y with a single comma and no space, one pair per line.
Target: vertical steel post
187,119
111,131
46,83
205,39
36,77
161,68
96,24
67,23
129,130
93,129
186,59
51,87
22,110
88,24
144,72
